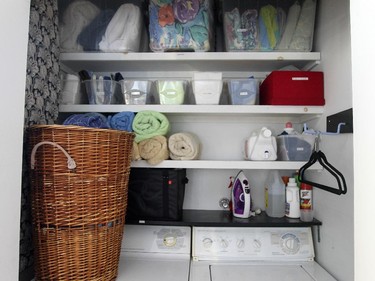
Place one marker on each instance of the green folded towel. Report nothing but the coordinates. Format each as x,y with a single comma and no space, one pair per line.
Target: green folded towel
148,123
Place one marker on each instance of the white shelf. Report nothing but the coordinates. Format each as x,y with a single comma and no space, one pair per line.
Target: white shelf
298,114
226,164
189,61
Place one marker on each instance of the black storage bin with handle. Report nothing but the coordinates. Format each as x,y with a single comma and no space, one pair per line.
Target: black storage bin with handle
156,194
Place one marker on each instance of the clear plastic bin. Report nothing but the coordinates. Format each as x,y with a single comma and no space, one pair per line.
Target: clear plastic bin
135,91
243,91
271,25
100,91
171,91
294,147
178,25
100,25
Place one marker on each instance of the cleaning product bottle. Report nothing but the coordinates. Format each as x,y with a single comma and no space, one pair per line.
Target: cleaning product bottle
306,205
292,201
289,130
275,195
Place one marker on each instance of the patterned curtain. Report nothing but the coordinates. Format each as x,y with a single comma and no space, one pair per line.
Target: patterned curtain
41,103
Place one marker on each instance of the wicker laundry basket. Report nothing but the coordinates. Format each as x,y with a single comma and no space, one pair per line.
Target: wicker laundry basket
79,182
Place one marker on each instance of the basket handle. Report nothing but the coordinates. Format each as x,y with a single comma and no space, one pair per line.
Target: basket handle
71,163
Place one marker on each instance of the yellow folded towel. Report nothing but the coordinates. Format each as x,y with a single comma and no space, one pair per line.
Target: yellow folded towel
154,149
135,152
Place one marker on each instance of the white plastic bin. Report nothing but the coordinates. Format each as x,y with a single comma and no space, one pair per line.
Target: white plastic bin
71,91
207,87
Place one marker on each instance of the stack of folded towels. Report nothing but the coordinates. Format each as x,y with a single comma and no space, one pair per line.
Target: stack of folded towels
152,145
150,128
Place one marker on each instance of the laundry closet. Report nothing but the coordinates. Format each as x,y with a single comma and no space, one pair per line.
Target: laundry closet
223,129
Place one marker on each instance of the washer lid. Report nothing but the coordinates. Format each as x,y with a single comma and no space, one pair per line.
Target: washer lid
259,272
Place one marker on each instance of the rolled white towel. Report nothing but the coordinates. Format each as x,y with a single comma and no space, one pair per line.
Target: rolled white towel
75,18
184,146
124,31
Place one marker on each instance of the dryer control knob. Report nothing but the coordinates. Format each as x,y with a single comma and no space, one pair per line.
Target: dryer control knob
224,243
257,244
240,244
207,243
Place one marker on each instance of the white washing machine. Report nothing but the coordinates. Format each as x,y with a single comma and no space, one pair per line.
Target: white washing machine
155,253
261,254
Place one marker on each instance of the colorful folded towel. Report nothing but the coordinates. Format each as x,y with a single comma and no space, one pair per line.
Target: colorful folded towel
122,121
93,120
148,123
268,27
154,150
183,146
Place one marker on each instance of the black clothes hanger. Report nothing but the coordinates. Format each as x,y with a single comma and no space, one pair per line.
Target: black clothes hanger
319,156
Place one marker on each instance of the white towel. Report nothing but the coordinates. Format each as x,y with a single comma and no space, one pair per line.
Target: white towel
76,17
302,37
290,27
184,146
123,33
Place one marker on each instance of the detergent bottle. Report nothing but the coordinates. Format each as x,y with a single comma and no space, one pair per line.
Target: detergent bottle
292,199
275,195
261,145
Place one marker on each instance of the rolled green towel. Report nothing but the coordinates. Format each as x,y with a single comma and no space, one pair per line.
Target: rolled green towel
148,123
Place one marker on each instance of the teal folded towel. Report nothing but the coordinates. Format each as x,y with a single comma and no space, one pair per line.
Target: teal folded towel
148,123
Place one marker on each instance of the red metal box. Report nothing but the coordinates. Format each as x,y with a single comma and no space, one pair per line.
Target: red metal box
292,88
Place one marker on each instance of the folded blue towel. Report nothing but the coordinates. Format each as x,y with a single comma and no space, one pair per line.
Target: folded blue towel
93,120
122,121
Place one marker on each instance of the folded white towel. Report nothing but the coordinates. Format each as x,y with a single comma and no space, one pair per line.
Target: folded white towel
290,27
123,33
303,36
184,146
76,17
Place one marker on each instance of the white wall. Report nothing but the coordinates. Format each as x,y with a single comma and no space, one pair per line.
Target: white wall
335,251
363,61
14,22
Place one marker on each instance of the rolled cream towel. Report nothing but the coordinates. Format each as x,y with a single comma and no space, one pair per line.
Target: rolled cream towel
154,150
135,152
184,146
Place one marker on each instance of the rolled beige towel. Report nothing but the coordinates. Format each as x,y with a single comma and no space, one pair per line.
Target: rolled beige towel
184,146
135,152
154,149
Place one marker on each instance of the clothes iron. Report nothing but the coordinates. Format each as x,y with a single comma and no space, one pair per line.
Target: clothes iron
241,196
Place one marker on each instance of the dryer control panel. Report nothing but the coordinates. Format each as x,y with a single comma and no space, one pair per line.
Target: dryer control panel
245,243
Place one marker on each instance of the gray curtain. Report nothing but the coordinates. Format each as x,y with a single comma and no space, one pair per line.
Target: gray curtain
41,104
